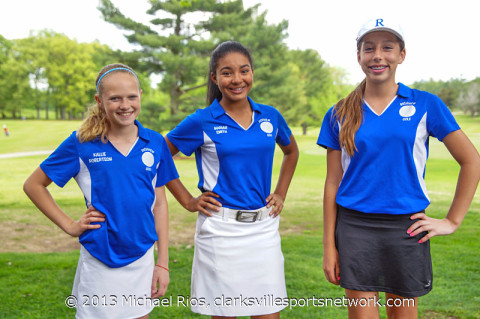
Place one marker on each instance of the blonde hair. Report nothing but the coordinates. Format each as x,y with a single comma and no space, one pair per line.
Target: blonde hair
96,124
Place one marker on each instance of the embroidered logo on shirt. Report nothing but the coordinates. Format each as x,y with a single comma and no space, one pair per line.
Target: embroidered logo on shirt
266,126
147,158
222,129
100,157
407,110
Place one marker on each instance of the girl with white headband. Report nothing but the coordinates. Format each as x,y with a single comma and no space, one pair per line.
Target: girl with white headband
376,230
121,168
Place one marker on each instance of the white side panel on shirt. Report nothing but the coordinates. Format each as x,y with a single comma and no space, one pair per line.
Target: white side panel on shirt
84,181
154,182
210,163
420,152
345,157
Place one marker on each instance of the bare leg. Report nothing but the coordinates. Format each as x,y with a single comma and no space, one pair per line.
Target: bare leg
399,307
362,304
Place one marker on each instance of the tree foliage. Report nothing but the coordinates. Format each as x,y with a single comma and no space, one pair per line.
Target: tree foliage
14,80
51,73
448,91
469,98
177,47
54,74
172,45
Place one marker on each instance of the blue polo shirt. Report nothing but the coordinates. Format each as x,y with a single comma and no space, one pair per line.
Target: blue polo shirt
122,187
232,161
387,173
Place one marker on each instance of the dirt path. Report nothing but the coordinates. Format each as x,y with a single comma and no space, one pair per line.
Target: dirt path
26,237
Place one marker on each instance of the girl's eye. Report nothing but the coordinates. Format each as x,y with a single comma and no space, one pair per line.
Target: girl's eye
226,73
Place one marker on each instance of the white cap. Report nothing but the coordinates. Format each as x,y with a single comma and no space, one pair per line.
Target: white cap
380,25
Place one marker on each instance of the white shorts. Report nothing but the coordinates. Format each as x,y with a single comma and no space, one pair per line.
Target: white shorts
238,268
104,292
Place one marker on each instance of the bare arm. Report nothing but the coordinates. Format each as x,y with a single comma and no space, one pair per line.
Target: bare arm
290,159
161,276
185,198
467,157
331,266
36,189
173,149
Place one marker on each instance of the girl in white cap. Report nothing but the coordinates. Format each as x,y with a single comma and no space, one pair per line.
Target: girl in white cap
376,232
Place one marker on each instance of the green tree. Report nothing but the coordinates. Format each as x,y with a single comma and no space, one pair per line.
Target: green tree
172,46
448,91
14,79
57,73
469,98
177,47
275,78
70,72
319,86
34,55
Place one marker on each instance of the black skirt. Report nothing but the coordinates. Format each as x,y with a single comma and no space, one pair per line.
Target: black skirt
377,254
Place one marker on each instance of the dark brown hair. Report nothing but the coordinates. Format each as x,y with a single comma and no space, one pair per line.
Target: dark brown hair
220,51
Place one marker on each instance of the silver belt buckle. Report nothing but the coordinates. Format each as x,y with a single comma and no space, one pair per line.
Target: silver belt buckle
246,217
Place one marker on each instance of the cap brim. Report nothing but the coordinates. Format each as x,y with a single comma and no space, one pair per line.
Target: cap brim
398,35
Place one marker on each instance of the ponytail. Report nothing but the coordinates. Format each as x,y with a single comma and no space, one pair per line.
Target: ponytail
95,125
349,113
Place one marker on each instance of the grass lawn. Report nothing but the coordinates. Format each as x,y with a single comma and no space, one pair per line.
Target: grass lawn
37,261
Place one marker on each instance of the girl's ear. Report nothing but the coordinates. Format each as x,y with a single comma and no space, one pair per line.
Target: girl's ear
97,98
403,53
213,77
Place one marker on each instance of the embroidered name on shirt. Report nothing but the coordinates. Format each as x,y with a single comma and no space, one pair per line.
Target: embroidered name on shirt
100,157
220,129
146,149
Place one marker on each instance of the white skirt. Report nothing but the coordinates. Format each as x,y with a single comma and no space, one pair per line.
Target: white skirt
104,292
238,268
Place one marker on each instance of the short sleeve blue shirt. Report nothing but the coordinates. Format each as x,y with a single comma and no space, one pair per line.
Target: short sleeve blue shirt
387,173
122,187
234,162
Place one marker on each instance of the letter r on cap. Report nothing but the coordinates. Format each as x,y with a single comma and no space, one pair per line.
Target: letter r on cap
379,23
